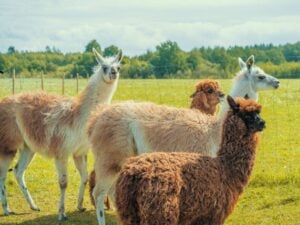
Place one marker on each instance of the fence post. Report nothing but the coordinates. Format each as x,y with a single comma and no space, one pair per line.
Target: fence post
63,84
13,81
42,81
77,83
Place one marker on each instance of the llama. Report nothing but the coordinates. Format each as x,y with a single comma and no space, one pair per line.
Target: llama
53,126
189,188
128,129
206,98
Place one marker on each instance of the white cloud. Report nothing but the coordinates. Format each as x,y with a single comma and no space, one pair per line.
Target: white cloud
139,25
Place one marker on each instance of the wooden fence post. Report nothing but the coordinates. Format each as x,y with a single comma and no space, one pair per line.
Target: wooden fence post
13,81
77,83
42,81
63,84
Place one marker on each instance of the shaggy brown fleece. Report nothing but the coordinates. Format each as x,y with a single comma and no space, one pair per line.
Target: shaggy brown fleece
187,188
207,96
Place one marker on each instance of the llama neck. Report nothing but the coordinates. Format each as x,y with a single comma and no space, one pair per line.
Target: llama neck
237,153
242,85
204,109
97,91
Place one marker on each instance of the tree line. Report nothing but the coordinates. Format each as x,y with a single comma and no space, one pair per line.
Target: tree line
168,60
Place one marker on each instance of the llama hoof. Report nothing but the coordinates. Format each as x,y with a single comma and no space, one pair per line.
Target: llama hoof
35,209
62,217
7,213
82,209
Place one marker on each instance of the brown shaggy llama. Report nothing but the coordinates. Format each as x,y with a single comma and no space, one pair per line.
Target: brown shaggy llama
122,130
53,126
206,98
189,188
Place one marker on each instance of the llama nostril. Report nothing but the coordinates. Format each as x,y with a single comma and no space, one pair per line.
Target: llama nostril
262,123
221,95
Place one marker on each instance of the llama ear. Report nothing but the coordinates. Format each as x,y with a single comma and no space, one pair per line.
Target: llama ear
232,104
119,56
241,63
246,96
250,62
99,57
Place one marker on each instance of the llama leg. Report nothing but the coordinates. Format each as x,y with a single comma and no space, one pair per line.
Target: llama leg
81,165
26,157
112,195
4,164
61,167
99,193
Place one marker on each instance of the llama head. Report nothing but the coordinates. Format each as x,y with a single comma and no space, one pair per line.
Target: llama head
247,110
110,66
258,78
207,93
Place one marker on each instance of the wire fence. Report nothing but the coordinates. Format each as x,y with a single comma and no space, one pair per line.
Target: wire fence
276,170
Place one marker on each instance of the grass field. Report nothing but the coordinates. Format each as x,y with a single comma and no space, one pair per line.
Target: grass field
272,197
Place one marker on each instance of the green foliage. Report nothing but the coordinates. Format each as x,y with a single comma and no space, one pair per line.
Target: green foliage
93,44
168,60
111,50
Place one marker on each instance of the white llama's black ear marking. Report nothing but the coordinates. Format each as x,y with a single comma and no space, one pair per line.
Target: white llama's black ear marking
250,62
235,107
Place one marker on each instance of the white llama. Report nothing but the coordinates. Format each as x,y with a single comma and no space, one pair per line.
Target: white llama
53,126
128,129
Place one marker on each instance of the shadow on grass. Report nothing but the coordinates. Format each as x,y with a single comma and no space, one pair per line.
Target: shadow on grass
74,218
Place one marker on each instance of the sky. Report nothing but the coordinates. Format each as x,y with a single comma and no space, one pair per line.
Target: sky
136,26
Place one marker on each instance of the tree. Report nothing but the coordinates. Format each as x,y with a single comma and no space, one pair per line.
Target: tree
111,50
11,50
93,44
168,59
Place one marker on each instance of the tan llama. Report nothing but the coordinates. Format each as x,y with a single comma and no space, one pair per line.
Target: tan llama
53,126
206,98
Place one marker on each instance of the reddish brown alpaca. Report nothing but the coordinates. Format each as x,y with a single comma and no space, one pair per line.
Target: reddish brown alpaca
187,188
53,126
206,98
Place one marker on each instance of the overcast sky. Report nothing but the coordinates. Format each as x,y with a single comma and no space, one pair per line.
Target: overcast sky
138,25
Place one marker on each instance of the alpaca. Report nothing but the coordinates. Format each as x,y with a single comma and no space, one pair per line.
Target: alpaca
189,188
122,130
53,126
206,98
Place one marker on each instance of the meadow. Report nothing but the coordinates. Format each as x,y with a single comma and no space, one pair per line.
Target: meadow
272,197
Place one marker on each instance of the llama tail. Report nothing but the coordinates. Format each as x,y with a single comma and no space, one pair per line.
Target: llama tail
92,183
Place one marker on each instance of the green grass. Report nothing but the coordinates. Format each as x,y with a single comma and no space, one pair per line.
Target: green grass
272,197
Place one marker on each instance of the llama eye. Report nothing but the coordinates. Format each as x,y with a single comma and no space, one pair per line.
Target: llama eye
118,68
261,77
105,69
209,91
